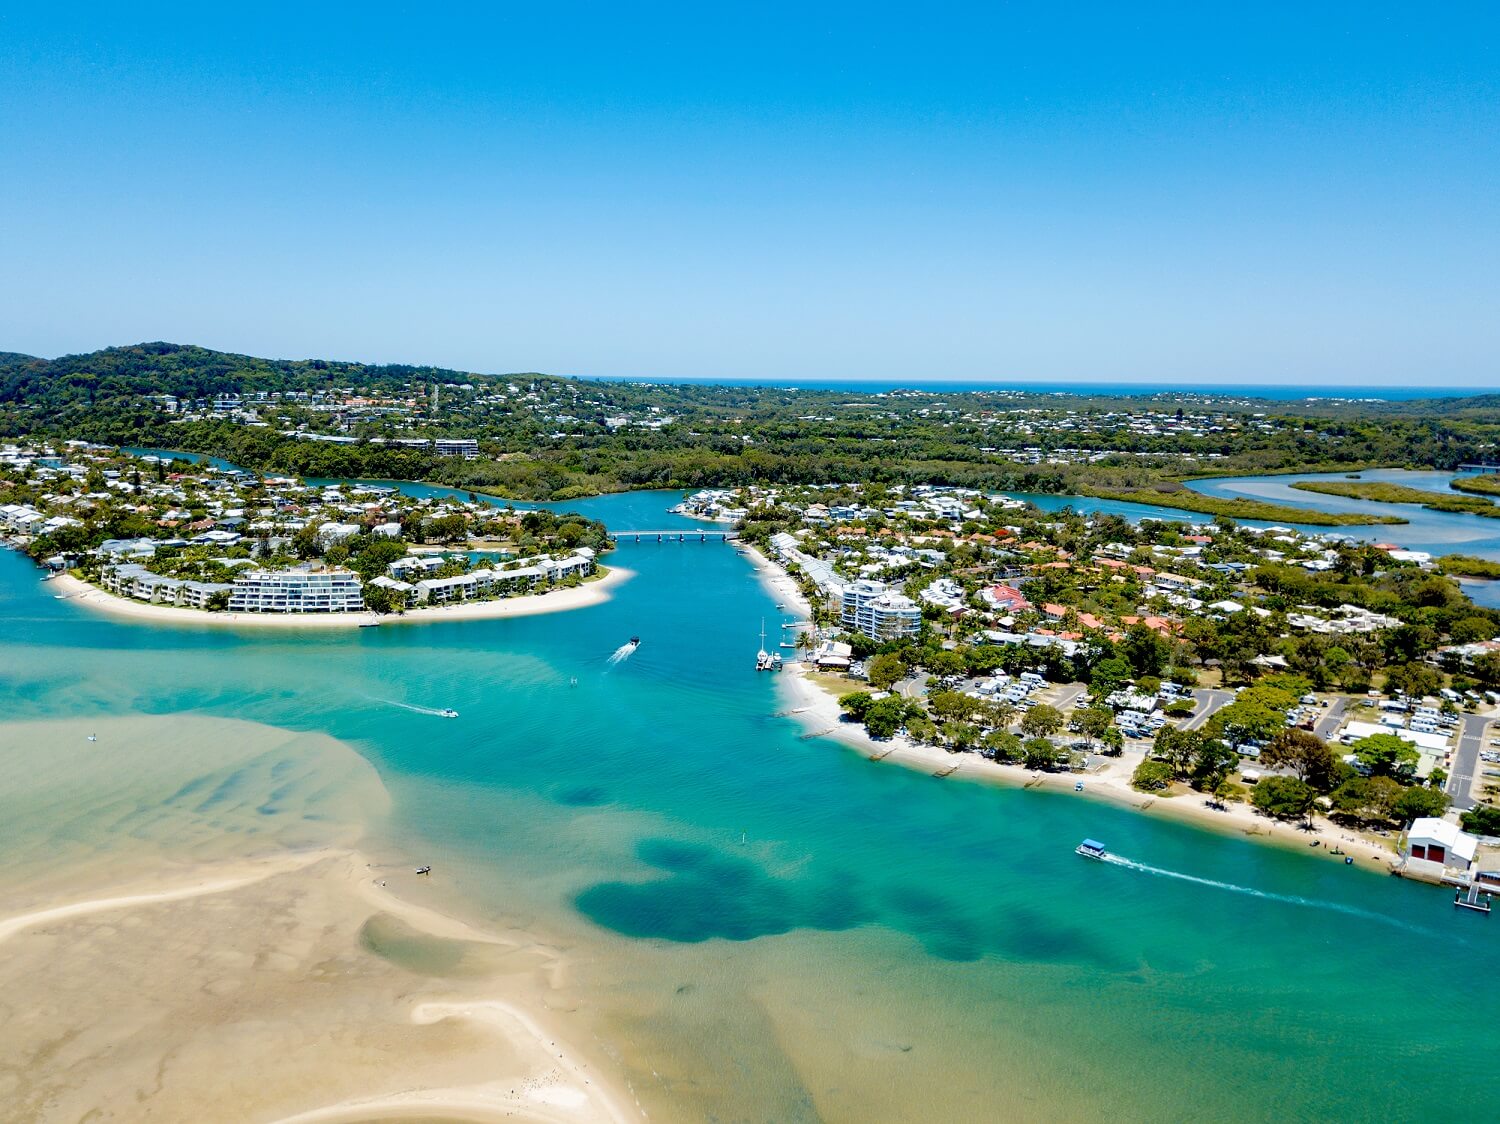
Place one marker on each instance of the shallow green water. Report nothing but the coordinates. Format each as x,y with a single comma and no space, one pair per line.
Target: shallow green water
778,929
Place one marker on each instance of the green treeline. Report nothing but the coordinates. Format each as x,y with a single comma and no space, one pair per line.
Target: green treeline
543,437
1467,566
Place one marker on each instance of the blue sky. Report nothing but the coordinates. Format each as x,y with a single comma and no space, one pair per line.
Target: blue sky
1168,192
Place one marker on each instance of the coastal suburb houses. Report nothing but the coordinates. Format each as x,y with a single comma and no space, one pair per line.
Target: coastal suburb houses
214,538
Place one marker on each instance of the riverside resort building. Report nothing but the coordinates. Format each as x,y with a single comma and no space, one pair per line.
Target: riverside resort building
878,611
297,591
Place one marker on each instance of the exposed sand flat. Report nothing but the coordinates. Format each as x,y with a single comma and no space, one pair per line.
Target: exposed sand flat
560,1087
218,883
267,1000
557,601
171,963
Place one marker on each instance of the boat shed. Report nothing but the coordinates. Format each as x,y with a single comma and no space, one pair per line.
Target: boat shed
1441,841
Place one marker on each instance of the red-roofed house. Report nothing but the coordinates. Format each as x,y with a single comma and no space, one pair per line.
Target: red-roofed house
1008,598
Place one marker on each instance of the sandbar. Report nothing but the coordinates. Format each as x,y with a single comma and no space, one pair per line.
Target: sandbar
160,961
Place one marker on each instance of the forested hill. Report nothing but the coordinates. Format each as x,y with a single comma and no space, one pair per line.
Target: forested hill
548,437
186,371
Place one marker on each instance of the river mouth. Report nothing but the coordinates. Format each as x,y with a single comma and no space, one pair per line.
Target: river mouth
769,926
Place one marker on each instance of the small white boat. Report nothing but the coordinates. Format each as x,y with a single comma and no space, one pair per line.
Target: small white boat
1091,849
450,714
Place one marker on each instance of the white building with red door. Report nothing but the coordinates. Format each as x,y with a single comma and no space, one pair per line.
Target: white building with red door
1440,841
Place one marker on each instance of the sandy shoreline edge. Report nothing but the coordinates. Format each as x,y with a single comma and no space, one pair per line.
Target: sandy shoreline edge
818,711
70,588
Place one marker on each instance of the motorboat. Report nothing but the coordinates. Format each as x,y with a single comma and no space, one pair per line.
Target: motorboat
1091,849
635,641
450,714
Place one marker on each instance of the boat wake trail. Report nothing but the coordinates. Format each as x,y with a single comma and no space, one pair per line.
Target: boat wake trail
434,711
620,654
1250,891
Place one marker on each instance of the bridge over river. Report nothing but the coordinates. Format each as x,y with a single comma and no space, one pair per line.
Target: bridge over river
677,534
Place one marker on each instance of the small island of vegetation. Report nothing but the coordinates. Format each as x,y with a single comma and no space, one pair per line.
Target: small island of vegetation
1380,492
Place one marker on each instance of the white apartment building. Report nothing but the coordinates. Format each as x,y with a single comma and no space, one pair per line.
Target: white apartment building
297,591
466,447
134,580
486,582
873,608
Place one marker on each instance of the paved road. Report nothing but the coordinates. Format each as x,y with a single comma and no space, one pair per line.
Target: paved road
1328,725
1209,704
1466,760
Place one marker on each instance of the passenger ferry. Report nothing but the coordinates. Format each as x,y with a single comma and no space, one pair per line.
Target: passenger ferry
1091,849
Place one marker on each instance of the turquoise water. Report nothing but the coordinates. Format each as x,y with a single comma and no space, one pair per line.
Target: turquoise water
773,927
179,455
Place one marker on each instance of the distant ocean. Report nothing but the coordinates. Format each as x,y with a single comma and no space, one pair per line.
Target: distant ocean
1283,392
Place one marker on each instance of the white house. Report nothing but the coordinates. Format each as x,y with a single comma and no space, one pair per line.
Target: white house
331,534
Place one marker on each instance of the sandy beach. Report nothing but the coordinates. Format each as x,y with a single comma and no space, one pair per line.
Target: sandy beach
819,712
259,987
557,601
294,984
777,582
